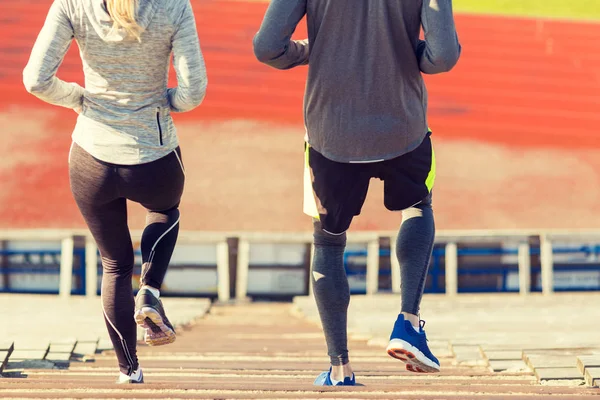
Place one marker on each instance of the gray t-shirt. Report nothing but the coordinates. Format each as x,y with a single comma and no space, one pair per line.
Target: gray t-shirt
365,97
126,105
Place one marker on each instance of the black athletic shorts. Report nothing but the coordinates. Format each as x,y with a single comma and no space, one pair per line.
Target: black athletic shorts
335,192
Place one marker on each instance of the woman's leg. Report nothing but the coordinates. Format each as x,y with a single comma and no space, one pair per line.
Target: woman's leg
158,187
94,187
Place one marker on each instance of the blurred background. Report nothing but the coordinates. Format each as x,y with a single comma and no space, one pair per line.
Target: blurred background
515,130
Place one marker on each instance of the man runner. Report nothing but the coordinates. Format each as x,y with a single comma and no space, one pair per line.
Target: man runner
365,111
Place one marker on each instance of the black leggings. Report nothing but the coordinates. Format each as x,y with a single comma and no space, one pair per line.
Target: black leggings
101,191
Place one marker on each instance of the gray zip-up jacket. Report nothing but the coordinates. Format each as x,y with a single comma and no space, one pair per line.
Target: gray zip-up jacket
126,105
365,97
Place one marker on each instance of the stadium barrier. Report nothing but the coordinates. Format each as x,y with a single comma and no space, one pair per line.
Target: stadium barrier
449,239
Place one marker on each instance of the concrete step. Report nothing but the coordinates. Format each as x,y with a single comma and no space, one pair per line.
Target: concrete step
6,349
261,351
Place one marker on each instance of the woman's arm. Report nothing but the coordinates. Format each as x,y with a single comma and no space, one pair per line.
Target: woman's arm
189,64
53,42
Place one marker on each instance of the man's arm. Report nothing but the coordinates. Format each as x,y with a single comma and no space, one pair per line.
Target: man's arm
441,50
272,44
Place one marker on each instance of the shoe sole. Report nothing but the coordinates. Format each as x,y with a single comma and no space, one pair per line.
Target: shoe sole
157,332
130,382
414,359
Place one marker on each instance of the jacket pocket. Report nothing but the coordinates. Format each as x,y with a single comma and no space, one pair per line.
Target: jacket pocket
160,132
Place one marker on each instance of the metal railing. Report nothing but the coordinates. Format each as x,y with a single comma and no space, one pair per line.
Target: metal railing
449,239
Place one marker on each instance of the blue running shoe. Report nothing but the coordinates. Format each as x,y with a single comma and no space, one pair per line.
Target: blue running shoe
324,379
410,347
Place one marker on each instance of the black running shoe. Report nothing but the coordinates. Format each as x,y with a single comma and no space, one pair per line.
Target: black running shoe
150,315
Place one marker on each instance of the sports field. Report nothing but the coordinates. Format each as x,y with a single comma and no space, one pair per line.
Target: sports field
578,9
515,126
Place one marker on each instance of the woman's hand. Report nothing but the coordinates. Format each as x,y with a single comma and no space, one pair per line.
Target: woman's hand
77,110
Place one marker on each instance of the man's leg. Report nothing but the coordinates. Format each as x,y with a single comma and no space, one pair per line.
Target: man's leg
408,180
408,341
332,294
414,247
334,194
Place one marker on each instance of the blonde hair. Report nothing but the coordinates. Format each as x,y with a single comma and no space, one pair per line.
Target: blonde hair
123,15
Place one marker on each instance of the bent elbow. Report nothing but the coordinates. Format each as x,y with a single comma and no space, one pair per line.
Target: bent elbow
264,51
443,62
33,84
195,97
450,58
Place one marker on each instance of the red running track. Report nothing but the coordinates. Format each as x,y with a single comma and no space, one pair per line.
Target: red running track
520,82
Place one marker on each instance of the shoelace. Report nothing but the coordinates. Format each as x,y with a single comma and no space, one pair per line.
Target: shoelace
421,326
